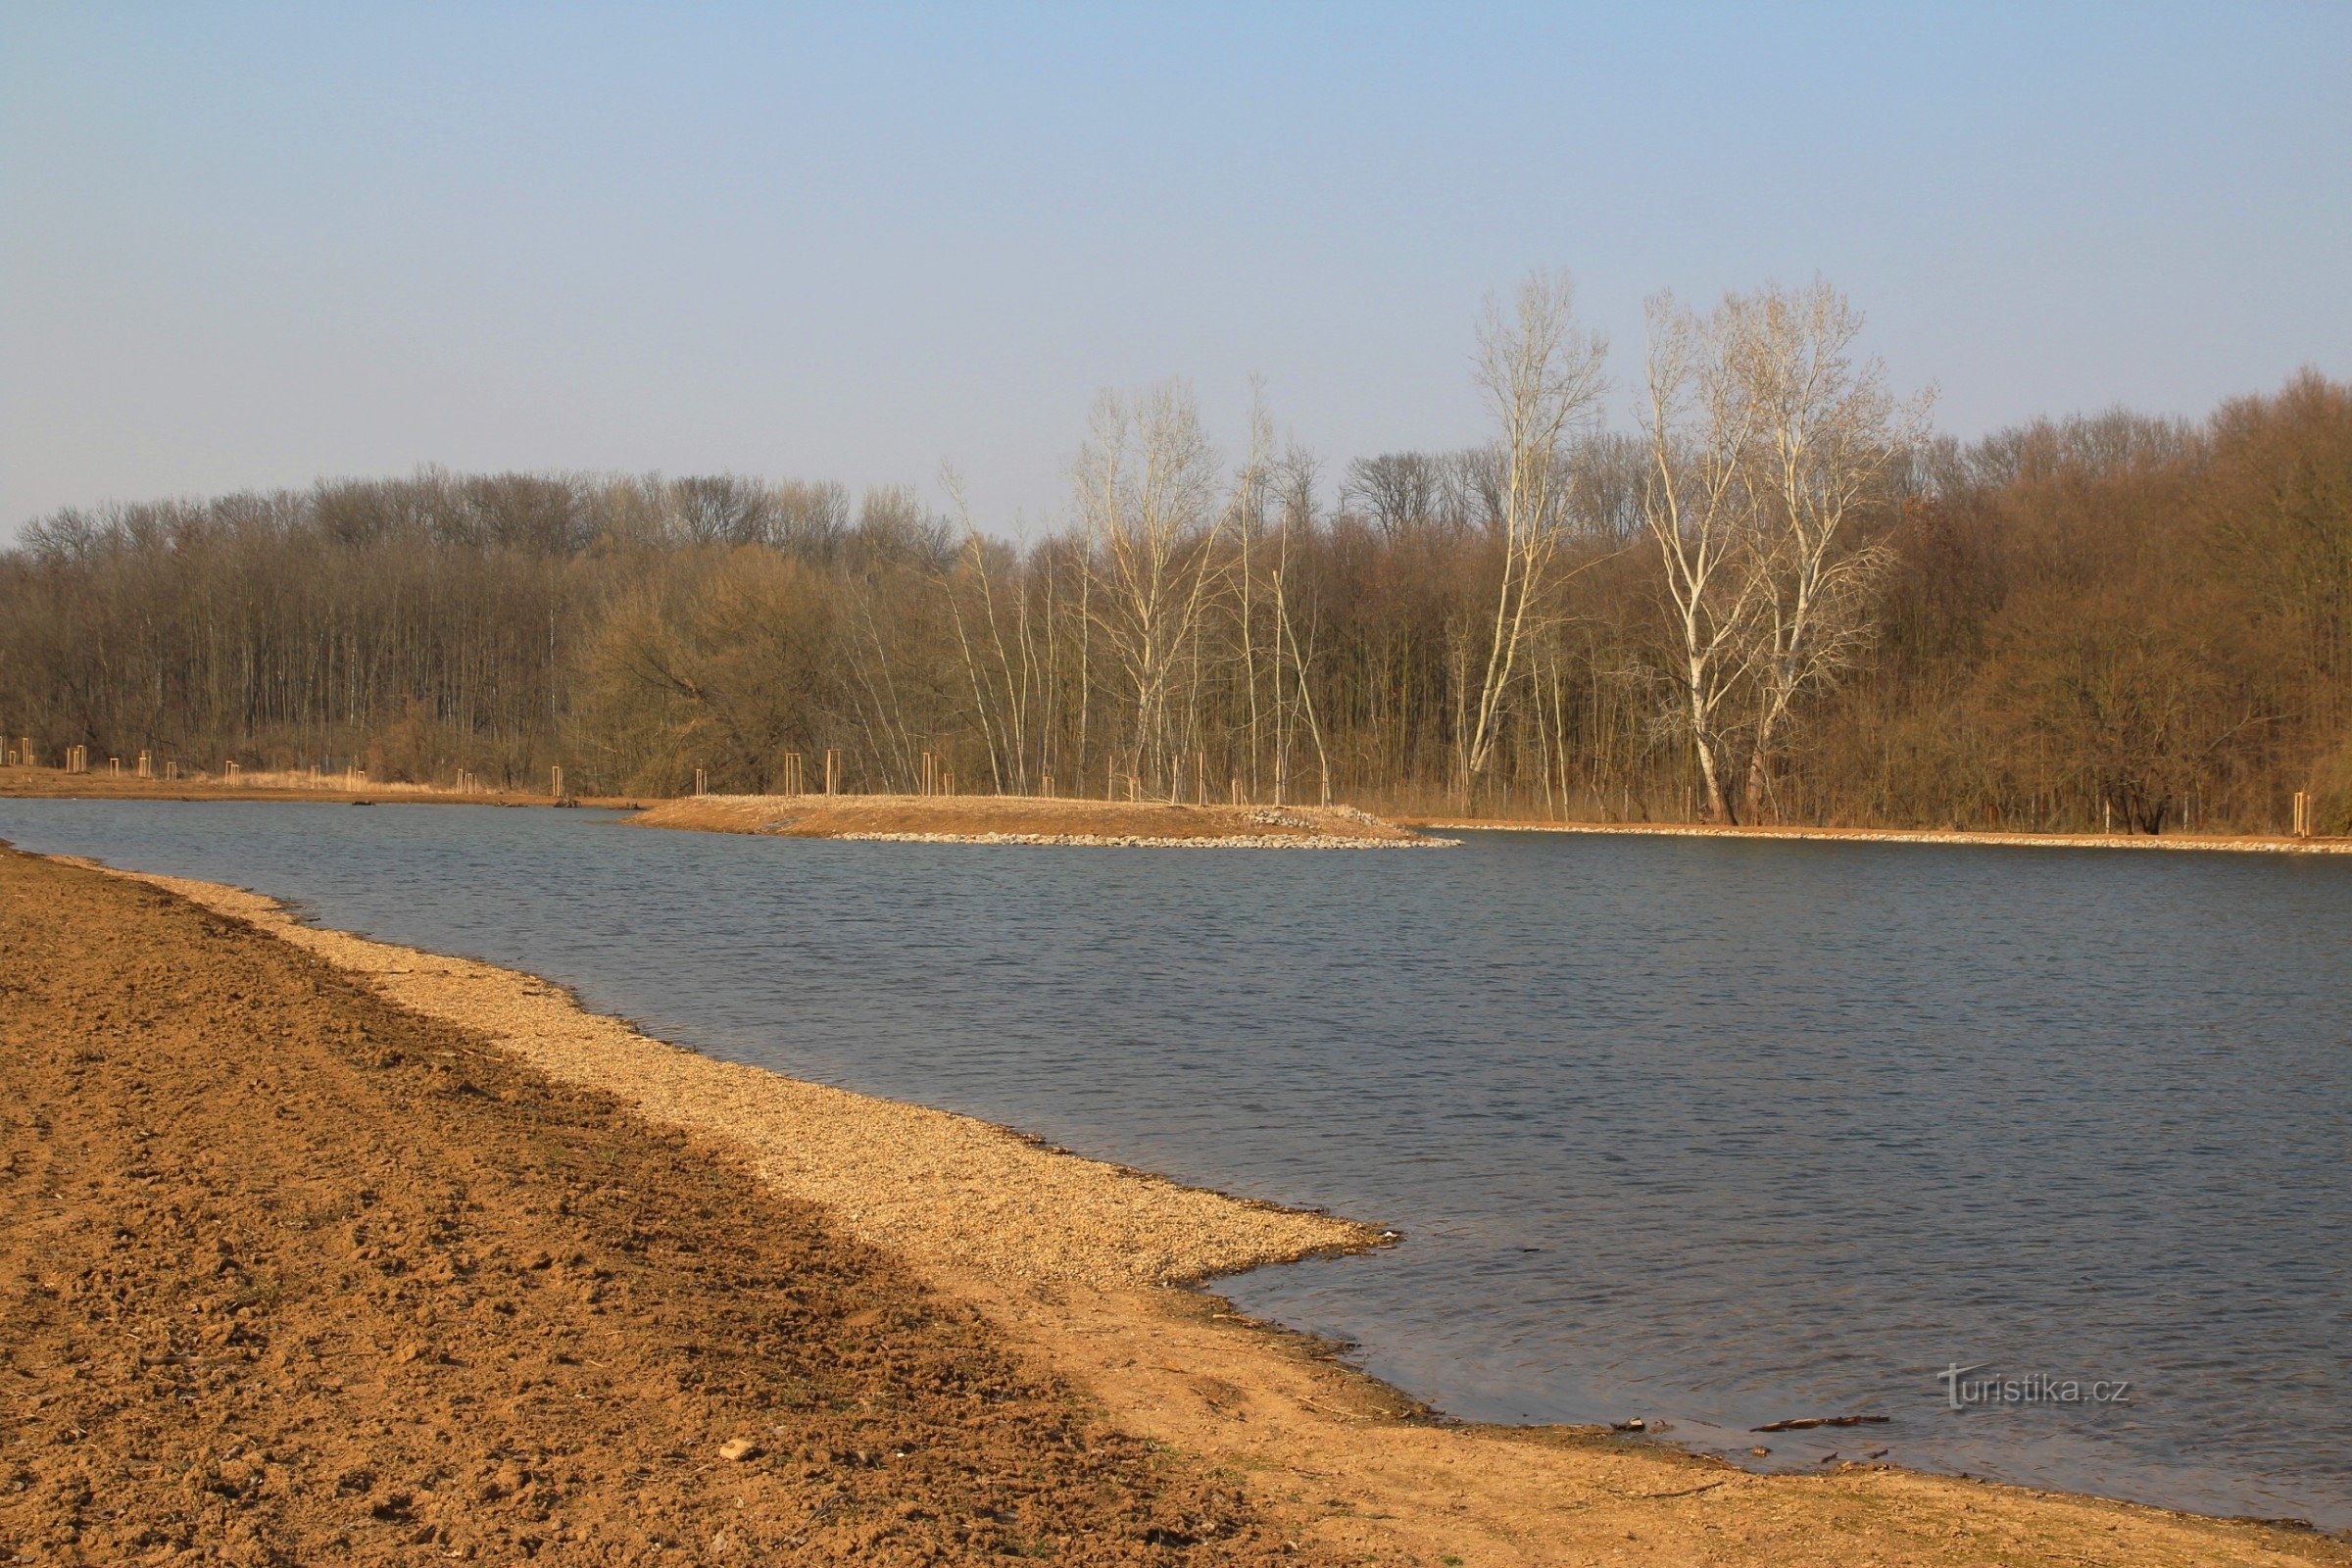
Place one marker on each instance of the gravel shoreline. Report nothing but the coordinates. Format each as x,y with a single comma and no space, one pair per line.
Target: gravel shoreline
965,1192
1135,842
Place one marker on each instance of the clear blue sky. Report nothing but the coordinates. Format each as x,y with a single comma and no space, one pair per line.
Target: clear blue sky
253,245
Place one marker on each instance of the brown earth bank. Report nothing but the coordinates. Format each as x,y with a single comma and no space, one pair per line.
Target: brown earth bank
53,783
294,1275
2245,843
1025,818
1061,1254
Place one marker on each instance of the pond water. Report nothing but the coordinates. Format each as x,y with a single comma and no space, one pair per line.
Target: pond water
1711,1133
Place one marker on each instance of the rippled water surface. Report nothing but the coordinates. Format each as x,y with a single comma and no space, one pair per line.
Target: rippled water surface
1716,1133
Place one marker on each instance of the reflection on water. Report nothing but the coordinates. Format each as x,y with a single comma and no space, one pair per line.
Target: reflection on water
1712,1133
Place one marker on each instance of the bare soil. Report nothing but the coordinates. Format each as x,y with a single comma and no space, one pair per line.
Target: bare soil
1061,1268
1020,817
294,1275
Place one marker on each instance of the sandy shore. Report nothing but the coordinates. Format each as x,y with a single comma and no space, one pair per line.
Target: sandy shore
2245,844
1066,1260
1035,820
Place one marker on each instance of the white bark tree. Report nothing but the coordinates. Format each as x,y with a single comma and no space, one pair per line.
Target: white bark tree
1824,433
1146,486
1695,427
1005,679
1541,377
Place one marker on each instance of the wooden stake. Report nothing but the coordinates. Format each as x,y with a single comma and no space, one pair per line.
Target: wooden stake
832,771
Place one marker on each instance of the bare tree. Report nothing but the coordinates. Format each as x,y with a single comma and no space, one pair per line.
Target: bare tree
1542,380
1146,496
1004,682
1824,434
1696,426
1401,492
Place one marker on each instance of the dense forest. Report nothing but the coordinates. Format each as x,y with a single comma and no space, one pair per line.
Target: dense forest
1778,597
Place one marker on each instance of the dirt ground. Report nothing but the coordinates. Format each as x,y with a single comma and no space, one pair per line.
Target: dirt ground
1016,817
292,1275
1059,1254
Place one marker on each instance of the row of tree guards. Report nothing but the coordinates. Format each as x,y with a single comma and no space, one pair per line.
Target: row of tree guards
78,760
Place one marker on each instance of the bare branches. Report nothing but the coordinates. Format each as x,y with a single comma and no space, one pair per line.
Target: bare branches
1767,439
1698,428
1542,380
1825,435
1145,485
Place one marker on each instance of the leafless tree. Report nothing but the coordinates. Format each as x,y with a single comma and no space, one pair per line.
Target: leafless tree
1147,490
1823,434
1697,425
1541,377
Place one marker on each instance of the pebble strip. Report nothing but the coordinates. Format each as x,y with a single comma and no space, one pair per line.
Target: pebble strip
1098,841
936,1185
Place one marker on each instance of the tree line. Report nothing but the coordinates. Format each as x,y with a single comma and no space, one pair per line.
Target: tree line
1776,596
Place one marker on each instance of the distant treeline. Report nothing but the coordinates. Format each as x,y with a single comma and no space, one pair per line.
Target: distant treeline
1748,609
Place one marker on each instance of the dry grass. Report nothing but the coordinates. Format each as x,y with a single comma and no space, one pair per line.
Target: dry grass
56,783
